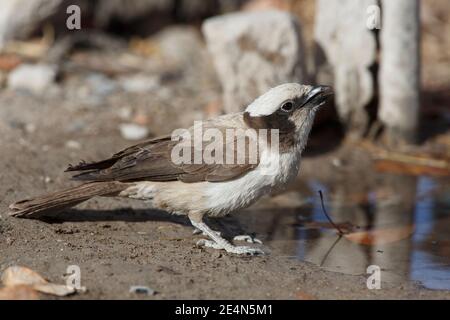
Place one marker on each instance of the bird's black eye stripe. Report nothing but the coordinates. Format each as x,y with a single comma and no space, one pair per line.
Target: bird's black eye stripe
287,106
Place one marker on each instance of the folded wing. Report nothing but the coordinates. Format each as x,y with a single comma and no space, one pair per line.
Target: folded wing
151,161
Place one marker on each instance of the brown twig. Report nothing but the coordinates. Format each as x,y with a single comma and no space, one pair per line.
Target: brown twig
325,257
340,232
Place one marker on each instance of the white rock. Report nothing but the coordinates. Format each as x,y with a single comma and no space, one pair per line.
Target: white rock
131,131
30,128
35,78
18,18
139,83
254,51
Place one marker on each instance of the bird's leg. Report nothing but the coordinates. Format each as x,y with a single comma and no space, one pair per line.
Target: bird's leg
198,231
217,241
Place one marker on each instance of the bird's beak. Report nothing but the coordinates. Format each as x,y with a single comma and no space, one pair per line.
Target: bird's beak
318,96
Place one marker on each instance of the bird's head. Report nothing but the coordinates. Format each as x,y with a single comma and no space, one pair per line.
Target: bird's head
290,108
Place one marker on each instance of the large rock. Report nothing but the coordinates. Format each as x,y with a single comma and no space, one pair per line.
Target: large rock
33,78
345,51
254,51
19,17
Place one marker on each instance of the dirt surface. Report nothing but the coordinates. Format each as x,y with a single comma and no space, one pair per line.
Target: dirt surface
120,243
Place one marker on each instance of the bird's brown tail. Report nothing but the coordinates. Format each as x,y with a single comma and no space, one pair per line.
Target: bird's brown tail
54,202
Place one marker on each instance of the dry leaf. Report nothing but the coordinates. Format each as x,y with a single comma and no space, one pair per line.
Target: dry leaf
17,276
412,163
9,61
144,47
304,296
59,290
381,236
34,49
20,292
410,168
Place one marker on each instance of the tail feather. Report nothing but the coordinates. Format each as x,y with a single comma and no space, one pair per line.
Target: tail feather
54,202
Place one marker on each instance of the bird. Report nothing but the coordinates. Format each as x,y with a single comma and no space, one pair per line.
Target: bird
151,170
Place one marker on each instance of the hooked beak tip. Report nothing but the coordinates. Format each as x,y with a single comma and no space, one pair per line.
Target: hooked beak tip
323,90
319,95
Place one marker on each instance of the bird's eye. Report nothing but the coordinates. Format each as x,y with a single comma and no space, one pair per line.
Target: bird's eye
287,106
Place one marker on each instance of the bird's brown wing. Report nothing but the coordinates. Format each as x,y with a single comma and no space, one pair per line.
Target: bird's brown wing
107,163
151,161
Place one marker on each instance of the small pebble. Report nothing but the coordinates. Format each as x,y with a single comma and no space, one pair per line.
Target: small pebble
30,128
72,144
139,83
142,290
336,162
216,255
131,131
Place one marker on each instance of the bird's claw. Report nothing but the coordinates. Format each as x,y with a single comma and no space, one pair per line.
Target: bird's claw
247,238
230,248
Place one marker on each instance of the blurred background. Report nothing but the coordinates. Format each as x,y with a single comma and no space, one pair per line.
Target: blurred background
81,79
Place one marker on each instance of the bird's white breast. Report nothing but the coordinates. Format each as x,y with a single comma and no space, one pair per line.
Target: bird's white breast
274,172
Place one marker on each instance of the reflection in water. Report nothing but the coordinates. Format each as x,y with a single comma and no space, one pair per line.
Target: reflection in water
430,259
401,225
397,233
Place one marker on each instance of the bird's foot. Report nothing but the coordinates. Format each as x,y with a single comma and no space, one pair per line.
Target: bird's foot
228,247
243,237
217,242
247,238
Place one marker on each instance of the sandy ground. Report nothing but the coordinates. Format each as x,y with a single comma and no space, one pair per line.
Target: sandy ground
120,243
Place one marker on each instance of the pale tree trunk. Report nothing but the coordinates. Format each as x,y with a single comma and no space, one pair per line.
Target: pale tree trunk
399,78
345,50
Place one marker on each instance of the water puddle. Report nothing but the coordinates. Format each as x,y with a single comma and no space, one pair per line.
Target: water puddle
402,225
